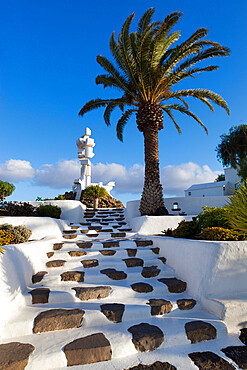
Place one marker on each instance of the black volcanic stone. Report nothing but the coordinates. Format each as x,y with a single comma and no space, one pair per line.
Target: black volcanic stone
142,287
40,295
131,252
143,243
158,365
163,260
57,246
209,360
160,306
198,331
38,276
84,245
133,262
15,355
108,252
155,250
238,354
174,285
114,274
150,271
146,337
243,335
113,311
186,304
111,244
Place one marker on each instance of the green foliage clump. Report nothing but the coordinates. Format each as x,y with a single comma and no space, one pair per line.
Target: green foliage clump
167,232
20,233
220,177
48,211
6,189
219,233
95,192
61,197
186,229
213,217
20,209
237,210
5,239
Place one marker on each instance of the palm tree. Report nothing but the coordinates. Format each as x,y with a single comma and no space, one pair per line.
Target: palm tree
148,65
95,192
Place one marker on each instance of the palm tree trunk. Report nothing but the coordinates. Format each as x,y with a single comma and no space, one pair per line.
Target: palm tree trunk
152,196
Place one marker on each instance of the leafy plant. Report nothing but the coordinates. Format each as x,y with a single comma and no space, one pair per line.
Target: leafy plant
186,229
95,192
61,197
237,210
20,209
213,217
20,234
220,177
167,232
48,211
5,239
219,233
6,189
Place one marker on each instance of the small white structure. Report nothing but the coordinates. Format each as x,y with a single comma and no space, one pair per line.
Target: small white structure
215,189
85,146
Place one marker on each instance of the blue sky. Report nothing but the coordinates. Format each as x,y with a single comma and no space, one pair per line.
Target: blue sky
47,72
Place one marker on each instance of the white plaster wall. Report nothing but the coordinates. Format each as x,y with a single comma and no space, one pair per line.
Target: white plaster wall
150,225
189,205
215,273
207,192
72,210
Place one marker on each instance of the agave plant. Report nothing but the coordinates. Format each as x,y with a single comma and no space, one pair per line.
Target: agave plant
147,67
95,192
237,210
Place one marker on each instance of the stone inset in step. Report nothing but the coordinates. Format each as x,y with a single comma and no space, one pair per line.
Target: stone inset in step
243,335
198,331
84,231
15,355
84,294
84,245
38,276
73,276
113,311
186,304
174,285
209,360
94,220
125,229
40,295
85,223
143,243
94,227
122,223
142,287
58,319
104,223
88,350
77,253
89,263
50,254
133,262
150,271
57,246
108,252
111,244
118,235
69,231
105,231
163,260
160,306
238,354
92,235
146,337
155,250
114,274
71,236
74,227
158,365
131,252
55,263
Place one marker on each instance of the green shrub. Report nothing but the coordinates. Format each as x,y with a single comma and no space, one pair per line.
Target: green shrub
20,233
20,209
213,217
237,210
167,232
61,197
186,229
5,239
219,233
48,211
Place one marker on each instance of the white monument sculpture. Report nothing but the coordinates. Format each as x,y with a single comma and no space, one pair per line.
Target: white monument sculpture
85,146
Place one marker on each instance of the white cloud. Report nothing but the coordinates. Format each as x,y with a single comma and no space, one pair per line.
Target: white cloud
16,170
175,179
60,176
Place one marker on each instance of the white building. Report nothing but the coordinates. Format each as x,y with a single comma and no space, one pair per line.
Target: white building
215,189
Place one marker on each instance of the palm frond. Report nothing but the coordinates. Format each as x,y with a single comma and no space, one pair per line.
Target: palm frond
93,104
122,122
168,111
